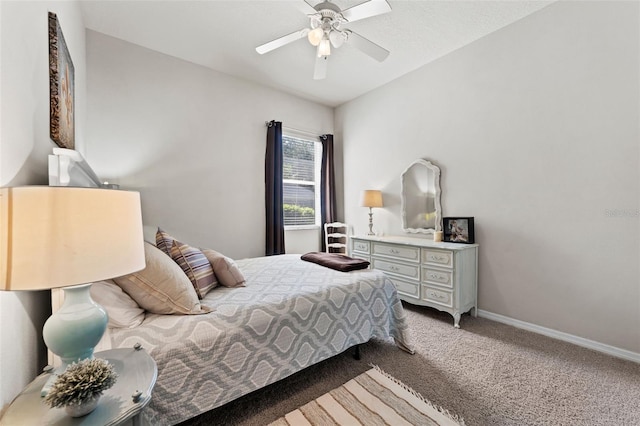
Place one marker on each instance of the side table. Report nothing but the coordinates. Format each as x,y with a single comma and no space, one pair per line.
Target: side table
137,373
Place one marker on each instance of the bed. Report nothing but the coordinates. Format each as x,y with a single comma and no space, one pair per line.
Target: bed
291,314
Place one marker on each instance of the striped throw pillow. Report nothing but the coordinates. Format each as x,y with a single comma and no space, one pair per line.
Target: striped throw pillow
164,241
197,267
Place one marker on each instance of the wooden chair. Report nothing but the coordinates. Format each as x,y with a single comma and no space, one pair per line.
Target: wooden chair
336,237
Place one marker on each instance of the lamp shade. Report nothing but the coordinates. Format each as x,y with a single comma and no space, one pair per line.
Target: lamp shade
371,198
315,36
324,48
61,236
337,38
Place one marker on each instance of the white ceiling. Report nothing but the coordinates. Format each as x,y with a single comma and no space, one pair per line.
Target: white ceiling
222,35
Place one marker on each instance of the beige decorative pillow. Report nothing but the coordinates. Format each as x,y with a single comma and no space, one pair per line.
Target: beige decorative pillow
194,263
162,287
225,269
123,311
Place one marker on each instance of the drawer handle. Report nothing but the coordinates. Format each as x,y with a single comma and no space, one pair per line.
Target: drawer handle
394,268
438,258
394,251
435,295
437,277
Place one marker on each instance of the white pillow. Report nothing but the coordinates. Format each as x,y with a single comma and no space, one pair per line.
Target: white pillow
105,343
123,311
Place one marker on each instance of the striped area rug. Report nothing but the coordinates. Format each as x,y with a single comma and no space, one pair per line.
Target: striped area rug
372,398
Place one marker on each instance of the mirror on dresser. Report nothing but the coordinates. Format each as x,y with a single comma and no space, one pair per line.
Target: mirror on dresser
420,196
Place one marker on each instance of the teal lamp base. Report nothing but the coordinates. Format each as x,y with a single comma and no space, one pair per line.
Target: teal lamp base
76,328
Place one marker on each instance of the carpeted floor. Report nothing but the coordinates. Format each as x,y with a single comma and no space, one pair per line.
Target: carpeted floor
486,372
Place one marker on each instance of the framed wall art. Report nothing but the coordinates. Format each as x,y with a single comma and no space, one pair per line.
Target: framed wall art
458,230
61,88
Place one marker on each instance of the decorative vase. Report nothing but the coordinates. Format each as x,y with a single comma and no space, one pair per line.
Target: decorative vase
77,327
84,408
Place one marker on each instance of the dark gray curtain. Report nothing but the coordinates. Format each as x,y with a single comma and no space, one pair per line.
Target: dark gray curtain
327,185
273,190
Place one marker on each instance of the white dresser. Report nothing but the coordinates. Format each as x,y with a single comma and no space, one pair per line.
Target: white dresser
441,275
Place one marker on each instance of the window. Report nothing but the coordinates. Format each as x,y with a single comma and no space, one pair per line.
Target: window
301,181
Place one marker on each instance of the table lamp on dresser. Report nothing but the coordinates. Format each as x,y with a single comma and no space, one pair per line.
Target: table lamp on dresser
371,198
52,237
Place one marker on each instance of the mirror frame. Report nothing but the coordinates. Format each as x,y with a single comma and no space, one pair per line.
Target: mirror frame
438,207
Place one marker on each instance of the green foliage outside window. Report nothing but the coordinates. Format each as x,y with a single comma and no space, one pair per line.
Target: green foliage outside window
298,159
291,210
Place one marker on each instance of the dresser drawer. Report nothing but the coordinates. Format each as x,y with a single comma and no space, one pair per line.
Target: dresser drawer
361,246
438,257
406,288
411,254
431,275
407,271
439,296
362,256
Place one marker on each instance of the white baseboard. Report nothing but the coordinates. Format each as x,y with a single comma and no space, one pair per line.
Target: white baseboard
580,341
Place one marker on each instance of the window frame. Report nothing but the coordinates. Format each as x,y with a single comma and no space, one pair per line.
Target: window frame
292,135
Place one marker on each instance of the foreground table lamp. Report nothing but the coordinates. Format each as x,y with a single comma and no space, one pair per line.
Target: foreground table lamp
371,198
67,237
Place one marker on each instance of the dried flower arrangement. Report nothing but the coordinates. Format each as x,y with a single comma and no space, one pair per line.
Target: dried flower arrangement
81,382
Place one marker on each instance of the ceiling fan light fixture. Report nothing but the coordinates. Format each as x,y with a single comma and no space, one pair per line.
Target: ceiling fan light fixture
337,38
315,36
325,31
324,48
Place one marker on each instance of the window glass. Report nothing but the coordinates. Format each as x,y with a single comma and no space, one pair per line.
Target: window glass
301,177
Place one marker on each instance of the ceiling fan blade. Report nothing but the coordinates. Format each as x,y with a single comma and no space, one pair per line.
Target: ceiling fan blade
367,46
320,70
306,7
366,10
279,42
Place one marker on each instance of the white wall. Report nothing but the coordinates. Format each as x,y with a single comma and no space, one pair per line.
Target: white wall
535,128
190,139
24,146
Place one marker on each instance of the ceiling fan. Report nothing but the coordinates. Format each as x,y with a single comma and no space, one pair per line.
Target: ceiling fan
326,22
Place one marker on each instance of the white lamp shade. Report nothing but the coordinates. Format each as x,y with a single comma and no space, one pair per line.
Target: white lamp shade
60,236
371,198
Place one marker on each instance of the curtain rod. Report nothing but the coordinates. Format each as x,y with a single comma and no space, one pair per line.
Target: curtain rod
306,132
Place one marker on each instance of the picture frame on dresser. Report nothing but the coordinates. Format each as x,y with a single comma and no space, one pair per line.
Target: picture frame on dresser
458,230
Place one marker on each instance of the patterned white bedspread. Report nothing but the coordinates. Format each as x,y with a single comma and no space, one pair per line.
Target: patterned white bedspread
292,314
